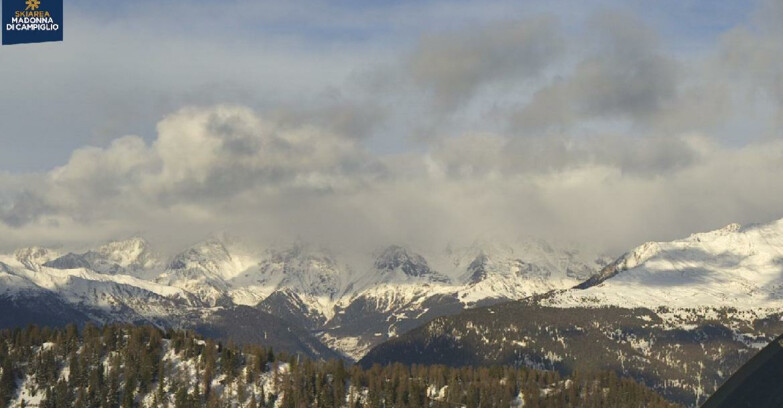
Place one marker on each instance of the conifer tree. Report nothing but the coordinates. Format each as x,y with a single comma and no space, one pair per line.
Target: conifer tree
7,380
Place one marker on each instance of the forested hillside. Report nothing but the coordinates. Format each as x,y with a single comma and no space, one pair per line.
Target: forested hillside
684,358
126,366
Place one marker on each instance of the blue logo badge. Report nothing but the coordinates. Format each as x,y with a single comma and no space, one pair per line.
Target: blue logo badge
32,21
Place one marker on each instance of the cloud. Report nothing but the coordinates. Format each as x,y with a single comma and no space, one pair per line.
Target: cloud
203,158
454,65
23,208
227,168
754,53
355,114
500,123
625,77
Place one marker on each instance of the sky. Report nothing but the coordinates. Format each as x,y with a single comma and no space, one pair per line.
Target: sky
367,123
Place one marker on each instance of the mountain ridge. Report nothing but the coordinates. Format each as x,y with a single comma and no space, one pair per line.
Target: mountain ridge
311,287
678,316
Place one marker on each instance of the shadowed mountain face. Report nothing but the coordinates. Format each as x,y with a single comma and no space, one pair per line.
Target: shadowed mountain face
683,358
758,384
41,308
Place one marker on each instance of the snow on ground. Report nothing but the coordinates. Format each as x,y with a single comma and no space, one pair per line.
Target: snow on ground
733,267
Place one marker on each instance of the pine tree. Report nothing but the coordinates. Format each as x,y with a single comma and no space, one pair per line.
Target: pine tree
7,381
112,392
305,383
209,358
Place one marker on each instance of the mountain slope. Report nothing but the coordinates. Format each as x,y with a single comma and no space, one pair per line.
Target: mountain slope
402,289
42,288
41,308
756,384
129,257
731,267
247,325
349,306
121,365
531,267
685,364
679,316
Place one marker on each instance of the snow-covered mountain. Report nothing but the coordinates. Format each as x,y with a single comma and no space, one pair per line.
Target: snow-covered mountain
707,300
103,293
203,270
349,306
679,316
300,282
353,306
129,257
735,266
492,268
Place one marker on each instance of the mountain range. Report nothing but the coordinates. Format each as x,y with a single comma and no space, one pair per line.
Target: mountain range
677,316
340,308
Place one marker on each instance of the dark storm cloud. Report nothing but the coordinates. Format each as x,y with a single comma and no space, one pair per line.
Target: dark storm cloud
454,65
23,208
625,76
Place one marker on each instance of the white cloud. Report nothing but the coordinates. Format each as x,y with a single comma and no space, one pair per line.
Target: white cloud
530,127
227,168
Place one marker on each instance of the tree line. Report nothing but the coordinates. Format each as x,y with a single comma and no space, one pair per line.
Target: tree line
124,366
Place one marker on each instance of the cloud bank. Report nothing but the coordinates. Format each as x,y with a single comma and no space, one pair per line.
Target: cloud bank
511,127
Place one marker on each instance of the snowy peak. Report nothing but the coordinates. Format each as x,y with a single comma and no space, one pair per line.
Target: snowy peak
353,304
11,282
477,270
303,269
398,259
214,258
70,261
217,270
134,253
526,260
728,230
733,266
209,256
493,270
34,257
300,253
130,257
300,282
483,260
627,261
204,270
